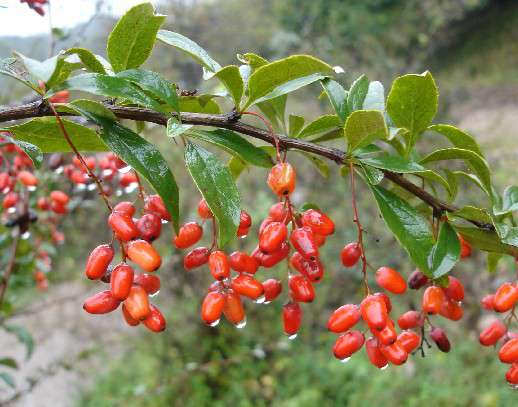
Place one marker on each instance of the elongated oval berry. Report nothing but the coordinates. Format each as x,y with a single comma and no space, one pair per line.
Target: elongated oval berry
455,289
302,240
452,310
292,318
387,335
508,353
312,269
272,237
234,310
204,211
350,254
98,261
417,280
282,179
219,265
59,196
395,353
243,263
440,338
101,303
344,318
272,289
278,212
270,260
409,340
410,319
465,248
493,333
27,178
128,318
487,302
121,281
149,282
212,307
301,288
125,207
512,375
390,280
10,200
144,254
433,299
137,303
245,220
189,234
374,312
196,258
348,344
43,203
155,204
505,297
373,352
149,226
248,286
319,222
123,226
155,321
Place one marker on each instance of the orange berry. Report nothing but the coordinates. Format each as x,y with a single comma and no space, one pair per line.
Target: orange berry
234,310
189,234
374,312
123,226
98,261
350,254
292,318
212,307
493,333
248,286
348,344
155,321
128,318
433,298
344,318
144,254
281,179
101,303
149,282
272,289
505,297
219,265
390,280
121,281
137,303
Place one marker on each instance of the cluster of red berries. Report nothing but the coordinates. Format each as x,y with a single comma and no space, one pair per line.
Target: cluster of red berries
36,5
504,300
127,287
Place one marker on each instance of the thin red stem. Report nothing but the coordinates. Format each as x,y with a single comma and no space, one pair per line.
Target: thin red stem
272,133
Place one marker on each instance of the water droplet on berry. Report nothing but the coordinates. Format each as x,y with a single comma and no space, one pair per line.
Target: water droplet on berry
164,221
266,302
31,188
241,324
59,170
118,192
25,235
215,323
154,294
92,187
124,170
11,210
384,367
345,360
260,300
107,173
292,337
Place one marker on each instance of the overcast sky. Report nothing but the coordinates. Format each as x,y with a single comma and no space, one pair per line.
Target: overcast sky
16,18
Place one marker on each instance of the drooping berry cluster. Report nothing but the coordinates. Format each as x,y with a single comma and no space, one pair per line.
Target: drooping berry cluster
497,333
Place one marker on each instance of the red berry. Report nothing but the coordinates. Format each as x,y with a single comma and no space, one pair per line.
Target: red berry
387,335
149,226
270,260
395,353
409,340
243,263
204,211
302,241
455,289
452,310
512,375
123,226
10,200
219,265
505,297
59,196
212,307
488,302
348,344
137,303
155,321
272,289
417,280
125,207
189,234
121,281
465,248
493,333
350,254
390,280
292,318
101,303
301,288
373,352
155,204
248,286
374,312
128,318
27,178
433,298
319,223
245,220
233,310
344,318
278,212
281,179
144,254
196,258
410,319
508,353
43,204
98,261
440,338
312,269
149,282
272,237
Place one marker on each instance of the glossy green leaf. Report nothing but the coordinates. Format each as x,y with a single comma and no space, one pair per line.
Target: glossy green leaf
34,153
375,97
509,202
408,226
473,213
363,127
234,144
475,162
394,163
8,379
446,251
508,234
373,175
144,158
9,362
486,240
199,104
255,61
42,70
318,163
337,96
132,39
189,47
217,186
89,60
453,184
473,179
357,93
154,84
321,125
492,261
296,123
457,137
10,67
45,133
97,108
412,102
271,76
236,166
23,336
175,128
275,111
231,78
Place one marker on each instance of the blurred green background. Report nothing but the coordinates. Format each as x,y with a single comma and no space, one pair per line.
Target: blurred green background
471,47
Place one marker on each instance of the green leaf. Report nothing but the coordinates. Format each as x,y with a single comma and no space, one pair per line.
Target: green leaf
11,68
255,61
91,106
236,166
510,201
34,153
473,213
321,125
363,127
486,240
318,163
337,96
475,162
457,137
492,261
45,133
234,144
132,39
199,104
189,47
9,362
154,84
40,70
275,111
144,158
373,175
412,102
508,234
446,251
453,184
175,128
271,76
407,225
375,98
111,86
8,379
89,60
231,78
215,182
394,163
357,93
23,336
295,125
